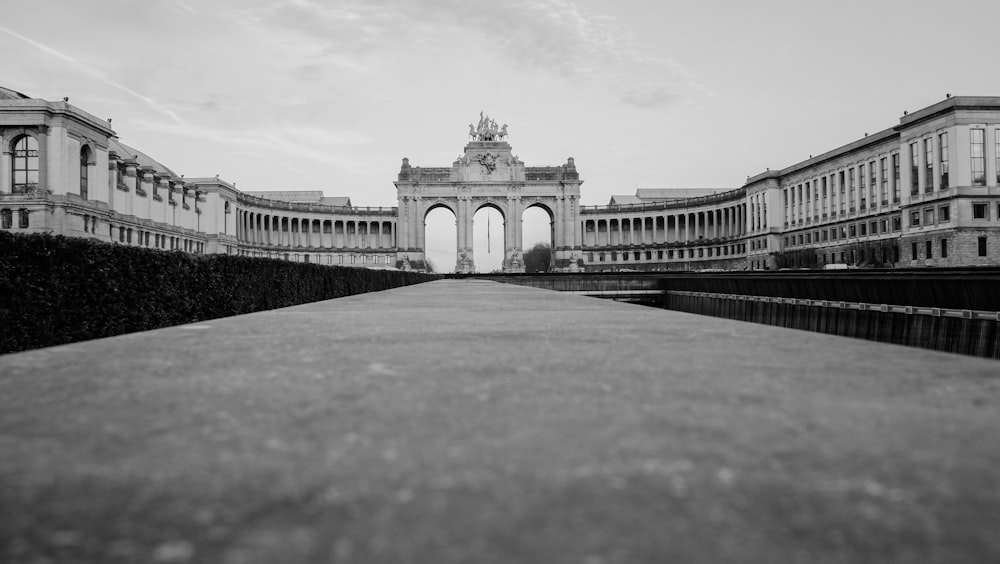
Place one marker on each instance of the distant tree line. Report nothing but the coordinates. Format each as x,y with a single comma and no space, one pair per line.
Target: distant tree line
538,258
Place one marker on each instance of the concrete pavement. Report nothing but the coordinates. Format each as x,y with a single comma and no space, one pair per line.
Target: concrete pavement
469,421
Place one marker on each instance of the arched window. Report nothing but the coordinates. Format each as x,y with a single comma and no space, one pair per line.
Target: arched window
84,170
25,166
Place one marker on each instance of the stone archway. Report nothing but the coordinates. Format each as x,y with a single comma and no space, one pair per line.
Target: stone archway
533,233
435,238
479,235
489,174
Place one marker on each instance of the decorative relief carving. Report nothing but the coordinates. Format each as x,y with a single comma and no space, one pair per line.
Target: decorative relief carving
488,161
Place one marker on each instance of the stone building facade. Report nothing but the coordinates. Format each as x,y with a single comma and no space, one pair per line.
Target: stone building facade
923,193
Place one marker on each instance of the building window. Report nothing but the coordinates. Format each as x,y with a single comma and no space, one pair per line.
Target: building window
929,165
895,177
340,259
6,218
980,211
25,165
913,251
982,246
944,213
873,227
853,230
863,229
824,196
944,248
884,184
943,160
22,220
885,226
914,170
929,216
862,179
871,182
978,153
842,198
928,247
914,218
897,223
850,188
997,148
84,170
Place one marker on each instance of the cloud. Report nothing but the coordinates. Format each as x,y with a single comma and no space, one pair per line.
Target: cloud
94,73
308,142
555,37
650,96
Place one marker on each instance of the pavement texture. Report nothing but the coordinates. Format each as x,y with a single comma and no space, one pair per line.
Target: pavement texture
470,421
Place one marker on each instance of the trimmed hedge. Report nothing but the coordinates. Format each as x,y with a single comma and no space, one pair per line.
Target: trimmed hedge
56,290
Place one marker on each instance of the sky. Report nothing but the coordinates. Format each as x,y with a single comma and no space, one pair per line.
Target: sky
332,94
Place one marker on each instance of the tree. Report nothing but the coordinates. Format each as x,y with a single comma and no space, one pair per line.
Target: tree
538,258
428,265
798,258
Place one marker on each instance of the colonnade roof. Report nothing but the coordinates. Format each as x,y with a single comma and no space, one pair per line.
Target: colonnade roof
735,195
8,94
142,159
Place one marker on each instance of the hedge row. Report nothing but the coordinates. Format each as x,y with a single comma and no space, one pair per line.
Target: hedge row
57,290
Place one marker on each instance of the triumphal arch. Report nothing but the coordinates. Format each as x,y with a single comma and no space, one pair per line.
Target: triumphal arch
488,174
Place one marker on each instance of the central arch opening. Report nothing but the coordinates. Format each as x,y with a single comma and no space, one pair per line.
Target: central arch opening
441,238
488,229
537,238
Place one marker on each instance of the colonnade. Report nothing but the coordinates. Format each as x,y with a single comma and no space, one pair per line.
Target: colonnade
283,231
687,227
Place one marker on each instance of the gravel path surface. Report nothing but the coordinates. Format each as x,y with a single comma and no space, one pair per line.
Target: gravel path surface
469,421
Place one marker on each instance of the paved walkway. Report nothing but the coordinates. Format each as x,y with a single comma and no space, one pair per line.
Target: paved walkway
469,421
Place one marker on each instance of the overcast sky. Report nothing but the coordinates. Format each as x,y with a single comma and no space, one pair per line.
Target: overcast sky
331,94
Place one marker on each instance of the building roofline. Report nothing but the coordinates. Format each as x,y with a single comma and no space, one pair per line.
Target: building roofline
951,104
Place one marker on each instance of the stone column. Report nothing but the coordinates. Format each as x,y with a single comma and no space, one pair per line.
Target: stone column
567,224
459,227
416,222
422,228
518,223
